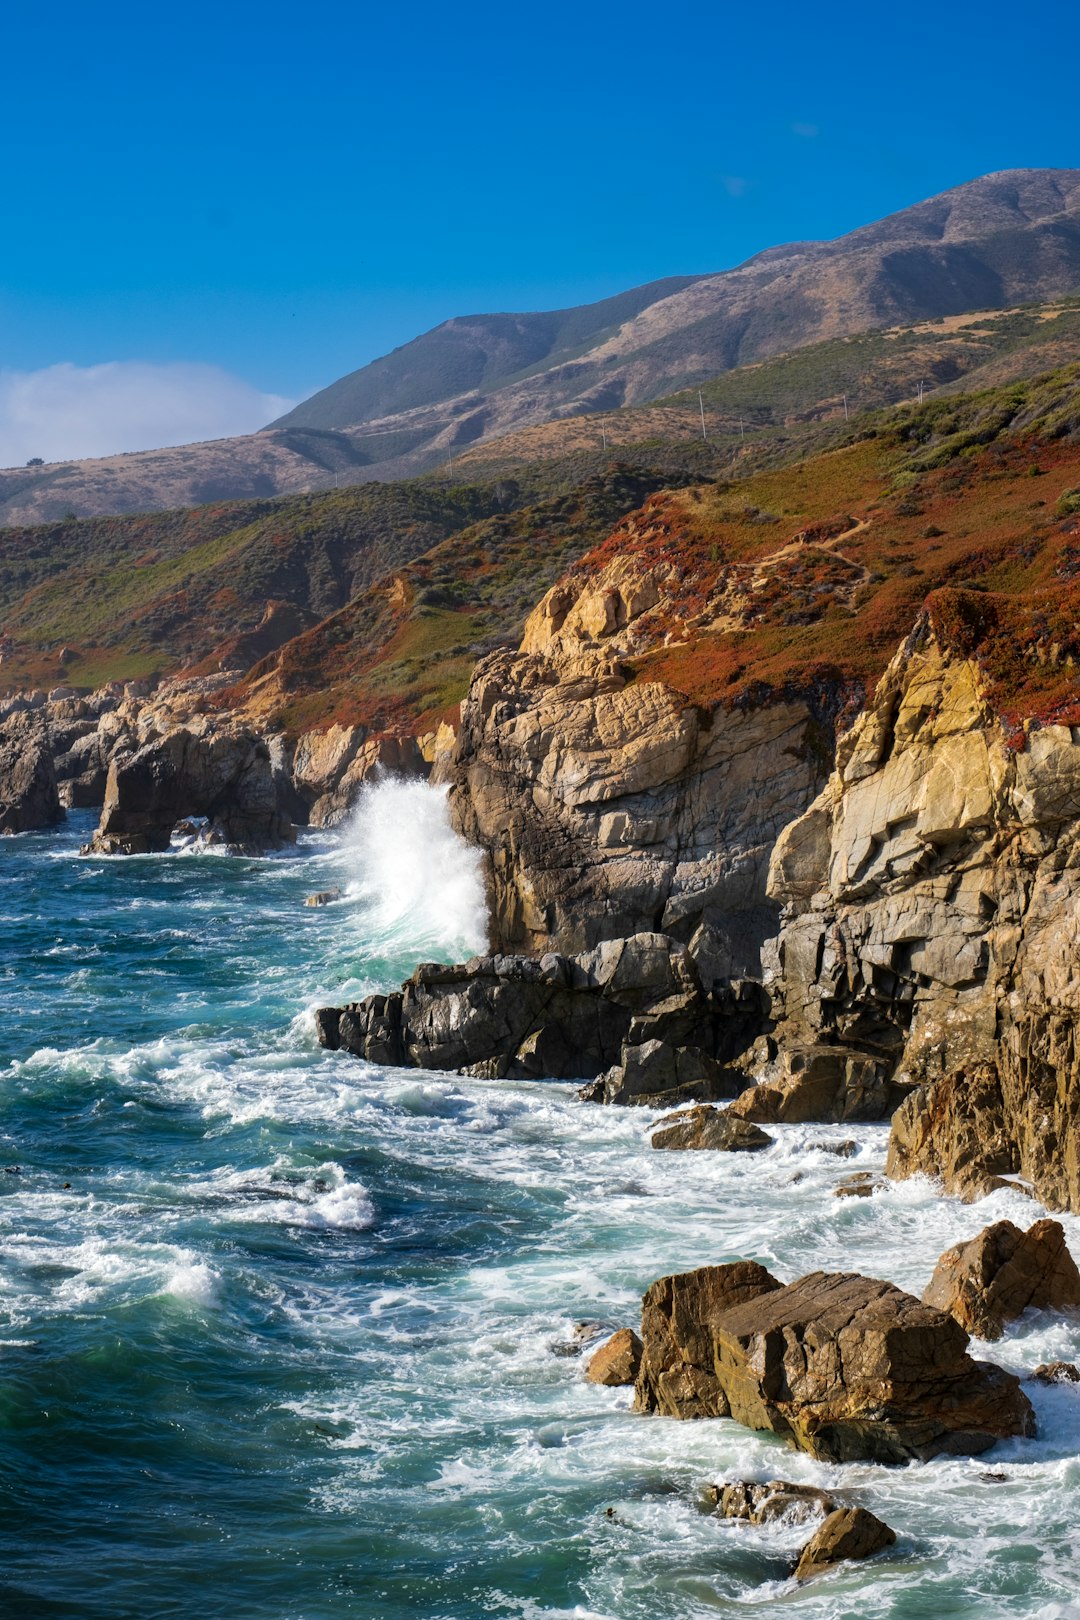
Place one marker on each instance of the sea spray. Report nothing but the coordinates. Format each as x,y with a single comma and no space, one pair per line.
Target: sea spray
421,883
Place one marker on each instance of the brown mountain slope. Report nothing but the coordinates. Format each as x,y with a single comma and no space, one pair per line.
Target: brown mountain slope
1005,239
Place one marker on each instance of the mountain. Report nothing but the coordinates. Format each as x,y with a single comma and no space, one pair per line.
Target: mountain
1004,240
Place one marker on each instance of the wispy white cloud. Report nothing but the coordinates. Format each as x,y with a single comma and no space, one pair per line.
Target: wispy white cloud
66,412
806,132
734,185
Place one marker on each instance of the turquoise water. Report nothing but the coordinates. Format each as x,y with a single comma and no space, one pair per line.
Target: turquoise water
278,1329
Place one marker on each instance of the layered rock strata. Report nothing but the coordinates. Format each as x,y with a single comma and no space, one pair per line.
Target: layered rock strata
997,1276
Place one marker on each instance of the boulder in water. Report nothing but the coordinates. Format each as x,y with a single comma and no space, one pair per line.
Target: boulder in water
28,794
678,1318
618,1361
848,1367
712,1128
849,1532
1057,1372
1003,1272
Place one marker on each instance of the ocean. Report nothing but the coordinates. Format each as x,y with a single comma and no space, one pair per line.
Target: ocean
286,1336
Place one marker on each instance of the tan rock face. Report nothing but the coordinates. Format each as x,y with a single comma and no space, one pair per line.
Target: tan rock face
931,929
997,1276
607,806
678,1319
618,1361
847,1367
852,1532
776,1499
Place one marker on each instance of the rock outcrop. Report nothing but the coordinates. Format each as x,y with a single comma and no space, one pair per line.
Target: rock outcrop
28,794
331,767
842,1366
618,1360
202,769
553,1017
848,1367
850,1532
609,805
931,933
995,1277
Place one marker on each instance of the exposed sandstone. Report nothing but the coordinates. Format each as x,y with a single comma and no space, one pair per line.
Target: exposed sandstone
678,1319
851,1532
617,1361
715,1129
608,806
995,1277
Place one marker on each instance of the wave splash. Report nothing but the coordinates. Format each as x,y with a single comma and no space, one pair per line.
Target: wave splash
421,883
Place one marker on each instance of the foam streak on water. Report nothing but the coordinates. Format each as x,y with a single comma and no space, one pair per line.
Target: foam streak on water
277,1327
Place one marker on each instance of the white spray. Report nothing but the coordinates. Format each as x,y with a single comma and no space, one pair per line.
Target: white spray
422,884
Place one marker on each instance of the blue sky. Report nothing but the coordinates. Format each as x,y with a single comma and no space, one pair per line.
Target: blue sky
283,193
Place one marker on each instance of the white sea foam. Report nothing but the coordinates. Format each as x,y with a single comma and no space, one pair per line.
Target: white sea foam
421,883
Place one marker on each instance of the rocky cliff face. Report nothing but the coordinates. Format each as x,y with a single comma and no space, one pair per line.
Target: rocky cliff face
931,927
610,806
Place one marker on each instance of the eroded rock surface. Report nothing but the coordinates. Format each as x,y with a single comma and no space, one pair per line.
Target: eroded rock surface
775,1499
995,1277
618,1360
715,1129
28,795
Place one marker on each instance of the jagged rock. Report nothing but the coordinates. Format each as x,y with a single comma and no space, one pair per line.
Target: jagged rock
324,897
851,1532
931,926
713,1128
654,1073
1057,1372
825,1084
678,1318
955,1128
997,1276
618,1361
848,1367
225,774
553,1017
776,1499
28,795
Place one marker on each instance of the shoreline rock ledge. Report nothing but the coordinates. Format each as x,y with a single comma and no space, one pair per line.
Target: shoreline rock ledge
844,1367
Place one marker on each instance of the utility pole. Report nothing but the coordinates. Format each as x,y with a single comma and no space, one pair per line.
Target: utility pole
603,435
845,408
701,408
742,428
920,393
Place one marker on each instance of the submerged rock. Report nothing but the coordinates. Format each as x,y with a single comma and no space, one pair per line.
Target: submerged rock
776,1499
850,1532
679,1315
324,897
1057,1372
618,1361
713,1128
863,1184
995,1277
